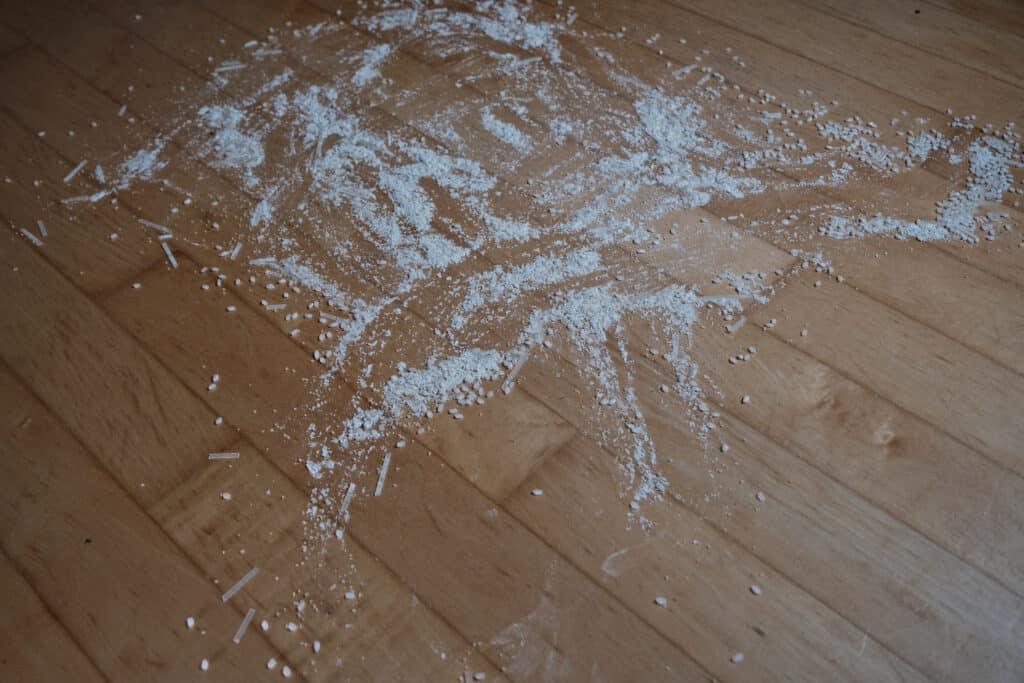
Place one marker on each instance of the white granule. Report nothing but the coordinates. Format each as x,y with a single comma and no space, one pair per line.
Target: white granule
370,61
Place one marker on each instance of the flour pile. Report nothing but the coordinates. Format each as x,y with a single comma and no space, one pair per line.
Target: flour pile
496,179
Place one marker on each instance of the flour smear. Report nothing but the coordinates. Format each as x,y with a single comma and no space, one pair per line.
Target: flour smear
460,197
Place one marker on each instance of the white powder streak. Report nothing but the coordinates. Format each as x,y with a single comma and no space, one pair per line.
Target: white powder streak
501,285
506,132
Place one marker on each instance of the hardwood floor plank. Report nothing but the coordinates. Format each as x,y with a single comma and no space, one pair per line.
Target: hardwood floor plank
76,359
263,375
497,449
943,34
882,452
89,551
888,64
255,17
1003,15
963,303
705,576
114,62
972,399
34,646
9,40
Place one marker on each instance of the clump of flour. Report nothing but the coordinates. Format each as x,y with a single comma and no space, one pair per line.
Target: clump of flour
521,215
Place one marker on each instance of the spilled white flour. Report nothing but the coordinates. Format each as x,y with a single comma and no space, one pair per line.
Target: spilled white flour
506,132
499,284
370,61
518,204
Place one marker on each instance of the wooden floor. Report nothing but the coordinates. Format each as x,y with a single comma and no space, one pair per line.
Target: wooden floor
888,442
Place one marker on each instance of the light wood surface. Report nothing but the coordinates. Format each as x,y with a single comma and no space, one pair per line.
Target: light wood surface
887,441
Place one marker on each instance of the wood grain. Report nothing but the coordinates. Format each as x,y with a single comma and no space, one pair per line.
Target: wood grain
887,540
